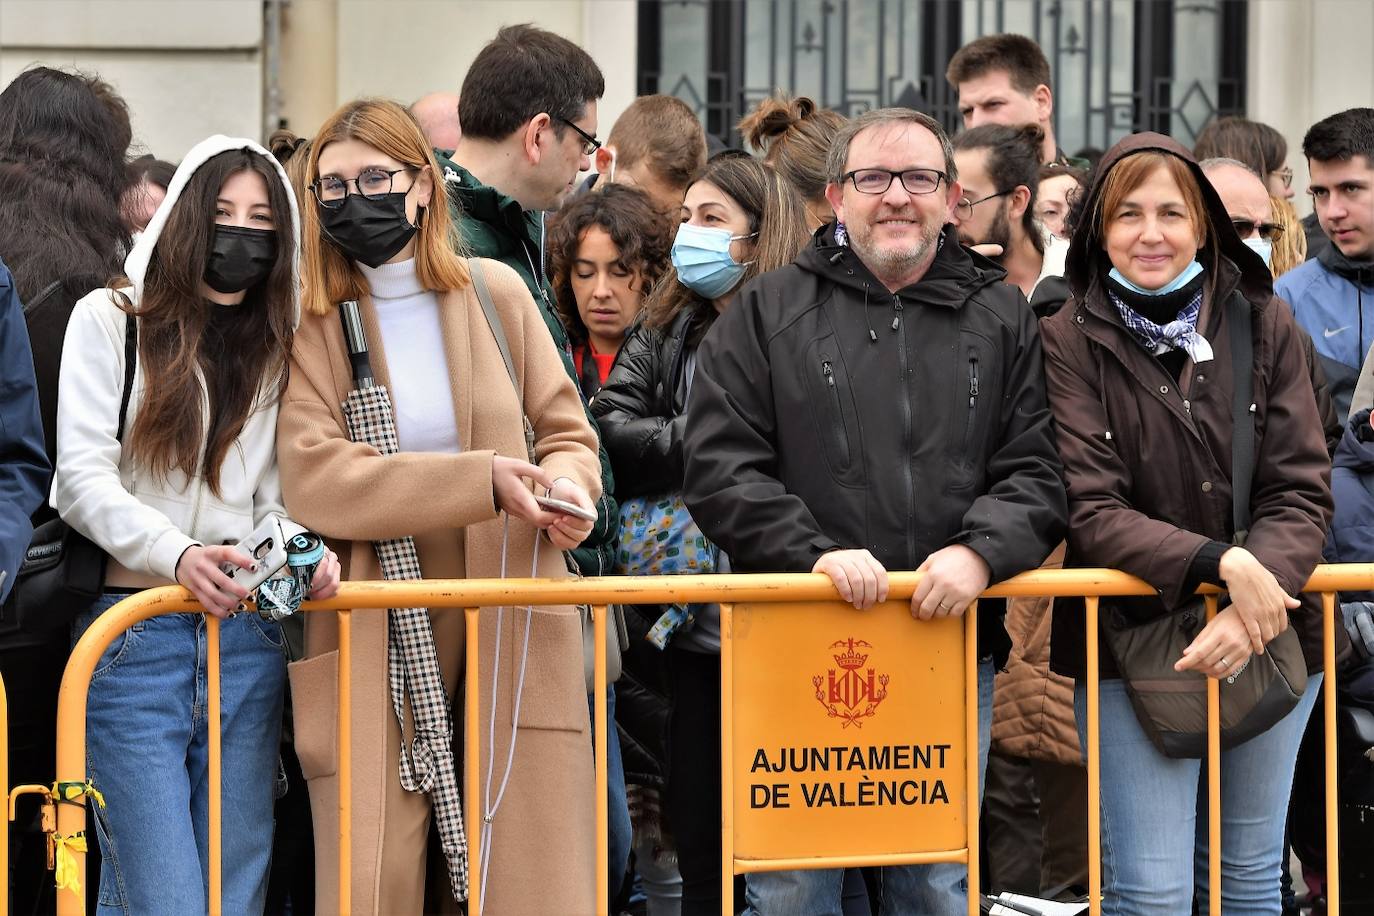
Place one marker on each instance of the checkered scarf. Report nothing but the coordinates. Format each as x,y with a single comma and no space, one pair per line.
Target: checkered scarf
1179,334
412,662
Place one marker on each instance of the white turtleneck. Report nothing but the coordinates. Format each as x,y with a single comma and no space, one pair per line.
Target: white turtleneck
416,363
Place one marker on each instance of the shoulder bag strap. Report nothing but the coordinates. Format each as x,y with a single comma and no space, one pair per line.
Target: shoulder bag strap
130,362
479,285
1242,413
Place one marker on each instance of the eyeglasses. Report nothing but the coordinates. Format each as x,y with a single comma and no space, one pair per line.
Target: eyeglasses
331,190
1268,231
1285,175
877,181
965,207
589,143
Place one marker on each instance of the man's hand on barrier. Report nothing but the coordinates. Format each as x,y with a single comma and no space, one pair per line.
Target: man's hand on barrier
953,577
858,576
199,571
1256,595
1359,623
1221,649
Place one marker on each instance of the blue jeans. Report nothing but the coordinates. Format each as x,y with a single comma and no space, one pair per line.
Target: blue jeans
1154,813
147,750
619,832
907,890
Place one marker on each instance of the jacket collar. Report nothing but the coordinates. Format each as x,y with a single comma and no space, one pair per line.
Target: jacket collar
1361,273
953,276
485,204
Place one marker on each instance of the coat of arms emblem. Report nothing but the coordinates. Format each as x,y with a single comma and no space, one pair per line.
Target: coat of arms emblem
850,692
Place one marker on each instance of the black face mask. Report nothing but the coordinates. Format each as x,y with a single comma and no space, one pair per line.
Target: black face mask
240,258
370,231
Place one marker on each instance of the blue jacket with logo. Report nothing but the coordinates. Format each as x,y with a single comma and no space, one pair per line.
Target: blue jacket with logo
24,469
1333,299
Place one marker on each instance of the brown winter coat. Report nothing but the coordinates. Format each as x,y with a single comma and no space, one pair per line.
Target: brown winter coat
1032,707
352,495
1147,457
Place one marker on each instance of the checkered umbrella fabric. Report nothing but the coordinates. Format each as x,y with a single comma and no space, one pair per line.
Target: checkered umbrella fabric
412,662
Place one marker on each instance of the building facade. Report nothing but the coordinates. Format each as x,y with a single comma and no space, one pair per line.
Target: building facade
189,68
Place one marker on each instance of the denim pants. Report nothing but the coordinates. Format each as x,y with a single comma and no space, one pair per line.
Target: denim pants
1154,813
147,750
617,807
907,890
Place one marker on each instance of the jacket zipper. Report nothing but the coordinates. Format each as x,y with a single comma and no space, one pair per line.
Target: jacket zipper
838,426
972,401
905,458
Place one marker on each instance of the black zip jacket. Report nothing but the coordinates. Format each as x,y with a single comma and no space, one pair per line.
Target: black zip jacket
828,413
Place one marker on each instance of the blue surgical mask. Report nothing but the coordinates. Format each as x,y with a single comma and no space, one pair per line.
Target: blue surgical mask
1262,247
703,260
1183,279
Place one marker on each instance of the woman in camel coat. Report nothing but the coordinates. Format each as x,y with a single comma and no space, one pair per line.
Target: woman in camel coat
461,464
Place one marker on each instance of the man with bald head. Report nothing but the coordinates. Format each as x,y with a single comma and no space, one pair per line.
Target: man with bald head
438,117
1247,203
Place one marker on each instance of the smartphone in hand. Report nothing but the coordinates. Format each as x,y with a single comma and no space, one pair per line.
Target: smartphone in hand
564,507
267,548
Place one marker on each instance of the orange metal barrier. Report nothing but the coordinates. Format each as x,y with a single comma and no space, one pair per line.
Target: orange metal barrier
727,590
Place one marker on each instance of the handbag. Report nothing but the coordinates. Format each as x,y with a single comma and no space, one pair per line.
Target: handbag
63,571
1172,705
617,634
659,538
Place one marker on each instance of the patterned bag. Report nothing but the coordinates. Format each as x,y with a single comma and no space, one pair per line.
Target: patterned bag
659,538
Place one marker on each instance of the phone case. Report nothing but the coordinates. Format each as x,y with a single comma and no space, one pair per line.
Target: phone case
267,546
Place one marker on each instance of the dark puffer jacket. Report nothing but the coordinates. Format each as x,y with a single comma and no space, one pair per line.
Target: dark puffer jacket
1147,456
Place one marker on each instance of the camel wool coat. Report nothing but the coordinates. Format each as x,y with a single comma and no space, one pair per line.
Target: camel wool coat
541,853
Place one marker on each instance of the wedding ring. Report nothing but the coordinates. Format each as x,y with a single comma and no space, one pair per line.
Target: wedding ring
1224,663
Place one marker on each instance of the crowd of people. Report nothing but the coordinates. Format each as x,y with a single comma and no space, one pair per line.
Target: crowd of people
858,345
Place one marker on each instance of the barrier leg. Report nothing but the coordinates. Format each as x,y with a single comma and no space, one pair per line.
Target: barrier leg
1213,783
971,771
727,753
472,822
345,739
216,824
5,786
603,888
1333,861
1094,765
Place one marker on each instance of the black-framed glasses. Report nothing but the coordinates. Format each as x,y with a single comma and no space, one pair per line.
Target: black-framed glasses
877,181
373,183
1285,175
589,143
965,207
1268,231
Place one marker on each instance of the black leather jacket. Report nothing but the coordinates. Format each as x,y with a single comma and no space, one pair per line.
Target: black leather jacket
641,410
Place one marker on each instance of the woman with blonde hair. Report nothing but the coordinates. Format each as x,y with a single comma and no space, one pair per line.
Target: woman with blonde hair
793,134
426,315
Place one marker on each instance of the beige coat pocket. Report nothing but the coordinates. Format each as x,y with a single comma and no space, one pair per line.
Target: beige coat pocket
315,711
555,694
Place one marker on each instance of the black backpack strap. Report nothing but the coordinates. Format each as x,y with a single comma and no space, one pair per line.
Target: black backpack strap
1243,415
130,362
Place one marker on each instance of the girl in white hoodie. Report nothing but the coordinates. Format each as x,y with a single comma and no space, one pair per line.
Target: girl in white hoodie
165,486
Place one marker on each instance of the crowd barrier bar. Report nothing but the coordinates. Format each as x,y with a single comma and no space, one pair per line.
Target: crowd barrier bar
474,594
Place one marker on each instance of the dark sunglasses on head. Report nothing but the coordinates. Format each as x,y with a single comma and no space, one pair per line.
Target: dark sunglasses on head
1268,231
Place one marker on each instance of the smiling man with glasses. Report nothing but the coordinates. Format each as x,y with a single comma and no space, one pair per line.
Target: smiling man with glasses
880,404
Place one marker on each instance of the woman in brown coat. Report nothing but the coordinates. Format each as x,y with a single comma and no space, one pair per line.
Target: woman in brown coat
461,465
1140,380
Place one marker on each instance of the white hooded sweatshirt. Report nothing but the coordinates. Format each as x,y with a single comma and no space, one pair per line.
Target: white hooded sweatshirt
145,523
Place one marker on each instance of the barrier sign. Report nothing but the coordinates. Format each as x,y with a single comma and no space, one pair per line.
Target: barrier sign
847,732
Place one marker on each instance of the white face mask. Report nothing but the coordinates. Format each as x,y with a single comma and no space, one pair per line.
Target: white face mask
1262,247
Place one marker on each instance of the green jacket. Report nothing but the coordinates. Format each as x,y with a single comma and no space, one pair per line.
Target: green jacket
494,226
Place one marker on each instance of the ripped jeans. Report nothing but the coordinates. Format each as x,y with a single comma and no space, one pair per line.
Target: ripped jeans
147,750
